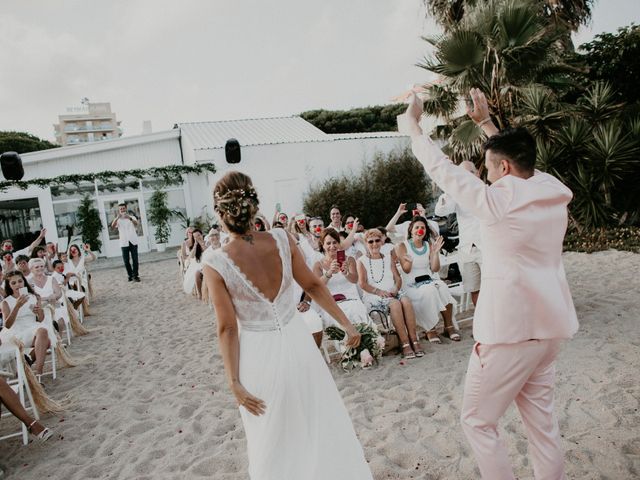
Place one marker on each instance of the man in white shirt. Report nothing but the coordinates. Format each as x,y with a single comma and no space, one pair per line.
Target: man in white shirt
126,225
469,233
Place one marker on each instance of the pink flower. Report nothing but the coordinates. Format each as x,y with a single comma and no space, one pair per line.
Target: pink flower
380,342
365,358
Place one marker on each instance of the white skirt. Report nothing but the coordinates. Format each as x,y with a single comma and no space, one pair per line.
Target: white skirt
355,311
306,431
428,301
189,280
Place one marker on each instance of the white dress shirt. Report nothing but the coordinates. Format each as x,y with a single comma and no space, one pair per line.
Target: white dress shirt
468,225
127,231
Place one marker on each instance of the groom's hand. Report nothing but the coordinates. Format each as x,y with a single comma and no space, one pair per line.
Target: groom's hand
408,123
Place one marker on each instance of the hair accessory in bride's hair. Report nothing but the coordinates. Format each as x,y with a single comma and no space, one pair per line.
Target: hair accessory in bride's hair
237,208
236,202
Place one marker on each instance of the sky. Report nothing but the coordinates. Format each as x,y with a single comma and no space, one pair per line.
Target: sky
202,60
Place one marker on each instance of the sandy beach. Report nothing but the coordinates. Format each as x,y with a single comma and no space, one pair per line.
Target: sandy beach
151,401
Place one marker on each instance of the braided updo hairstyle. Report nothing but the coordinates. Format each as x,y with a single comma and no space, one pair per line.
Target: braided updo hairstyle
236,201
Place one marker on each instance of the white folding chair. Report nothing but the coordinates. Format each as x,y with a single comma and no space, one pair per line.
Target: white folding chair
20,385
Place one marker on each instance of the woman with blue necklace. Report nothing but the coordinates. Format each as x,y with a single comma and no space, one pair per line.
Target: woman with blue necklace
420,258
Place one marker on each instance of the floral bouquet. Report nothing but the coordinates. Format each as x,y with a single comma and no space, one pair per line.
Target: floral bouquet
369,351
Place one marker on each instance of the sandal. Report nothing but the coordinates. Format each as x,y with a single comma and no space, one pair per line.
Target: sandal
43,436
432,336
409,355
452,333
419,352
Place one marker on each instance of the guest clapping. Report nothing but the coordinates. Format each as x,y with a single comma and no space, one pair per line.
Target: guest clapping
419,258
340,274
380,280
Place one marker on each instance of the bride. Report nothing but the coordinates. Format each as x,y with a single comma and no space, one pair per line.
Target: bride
295,422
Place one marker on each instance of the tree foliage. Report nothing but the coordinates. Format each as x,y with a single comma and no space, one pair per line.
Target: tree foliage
517,54
369,119
374,193
89,223
22,142
614,58
160,215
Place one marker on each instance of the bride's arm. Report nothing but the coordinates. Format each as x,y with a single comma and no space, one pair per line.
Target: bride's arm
228,340
318,291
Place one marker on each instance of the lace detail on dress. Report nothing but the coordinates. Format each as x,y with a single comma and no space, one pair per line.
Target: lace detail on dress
249,302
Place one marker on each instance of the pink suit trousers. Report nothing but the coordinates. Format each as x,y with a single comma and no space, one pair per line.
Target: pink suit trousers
497,375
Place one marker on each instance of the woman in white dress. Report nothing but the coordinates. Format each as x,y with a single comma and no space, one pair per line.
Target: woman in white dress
340,279
381,284
296,424
429,295
192,281
77,264
24,319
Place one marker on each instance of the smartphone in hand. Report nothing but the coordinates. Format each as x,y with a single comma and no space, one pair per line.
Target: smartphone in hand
341,256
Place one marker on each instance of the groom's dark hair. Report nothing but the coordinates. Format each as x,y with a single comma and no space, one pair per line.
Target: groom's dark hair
516,145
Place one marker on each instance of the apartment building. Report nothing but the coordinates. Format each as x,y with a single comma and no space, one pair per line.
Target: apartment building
89,123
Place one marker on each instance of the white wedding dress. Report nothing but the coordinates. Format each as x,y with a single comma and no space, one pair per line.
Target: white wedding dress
306,432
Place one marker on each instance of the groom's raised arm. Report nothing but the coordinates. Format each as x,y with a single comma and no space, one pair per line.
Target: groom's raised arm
488,203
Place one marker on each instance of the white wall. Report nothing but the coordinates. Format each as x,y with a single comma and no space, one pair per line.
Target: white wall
283,173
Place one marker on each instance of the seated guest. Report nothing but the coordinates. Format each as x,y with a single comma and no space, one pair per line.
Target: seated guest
260,225
311,318
213,239
419,258
24,318
185,249
192,282
300,228
22,264
310,246
8,264
340,278
7,245
10,399
352,241
76,264
49,291
400,231
281,217
380,281
63,280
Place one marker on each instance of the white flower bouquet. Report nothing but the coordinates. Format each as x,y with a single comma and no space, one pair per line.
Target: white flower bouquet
366,354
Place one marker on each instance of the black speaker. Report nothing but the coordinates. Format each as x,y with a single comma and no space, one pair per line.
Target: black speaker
12,166
232,151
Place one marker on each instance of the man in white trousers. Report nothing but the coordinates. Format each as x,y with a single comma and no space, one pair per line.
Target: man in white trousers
525,308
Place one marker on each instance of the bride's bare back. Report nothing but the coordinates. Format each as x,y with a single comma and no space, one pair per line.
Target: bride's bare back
256,255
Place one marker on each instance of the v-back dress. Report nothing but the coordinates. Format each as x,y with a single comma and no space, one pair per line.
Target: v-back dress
306,431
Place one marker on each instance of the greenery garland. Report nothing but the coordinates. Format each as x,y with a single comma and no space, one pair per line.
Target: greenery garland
171,175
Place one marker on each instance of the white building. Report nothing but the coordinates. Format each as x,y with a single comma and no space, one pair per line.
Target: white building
283,156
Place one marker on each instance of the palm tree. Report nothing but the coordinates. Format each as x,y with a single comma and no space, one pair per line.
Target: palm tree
568,13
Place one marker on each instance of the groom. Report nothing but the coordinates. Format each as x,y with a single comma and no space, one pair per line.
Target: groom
525,308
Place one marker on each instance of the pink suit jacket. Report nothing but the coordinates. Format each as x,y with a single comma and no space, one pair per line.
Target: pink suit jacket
524,293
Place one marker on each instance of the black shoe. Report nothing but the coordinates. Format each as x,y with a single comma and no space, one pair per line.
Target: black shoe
131,279
136,279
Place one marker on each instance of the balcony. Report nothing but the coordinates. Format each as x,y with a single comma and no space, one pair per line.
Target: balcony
85,128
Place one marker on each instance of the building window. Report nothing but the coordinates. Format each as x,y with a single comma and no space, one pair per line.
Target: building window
20,221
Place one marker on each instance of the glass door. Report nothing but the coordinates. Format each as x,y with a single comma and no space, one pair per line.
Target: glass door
135,207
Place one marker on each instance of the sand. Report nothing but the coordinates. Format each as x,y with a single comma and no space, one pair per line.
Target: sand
152,403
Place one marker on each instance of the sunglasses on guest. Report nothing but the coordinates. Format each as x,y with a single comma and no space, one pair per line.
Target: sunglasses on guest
375,240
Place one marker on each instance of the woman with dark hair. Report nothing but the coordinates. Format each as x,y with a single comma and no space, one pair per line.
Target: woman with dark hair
76,264
23,318
295,422
340,275
192,282
419,258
